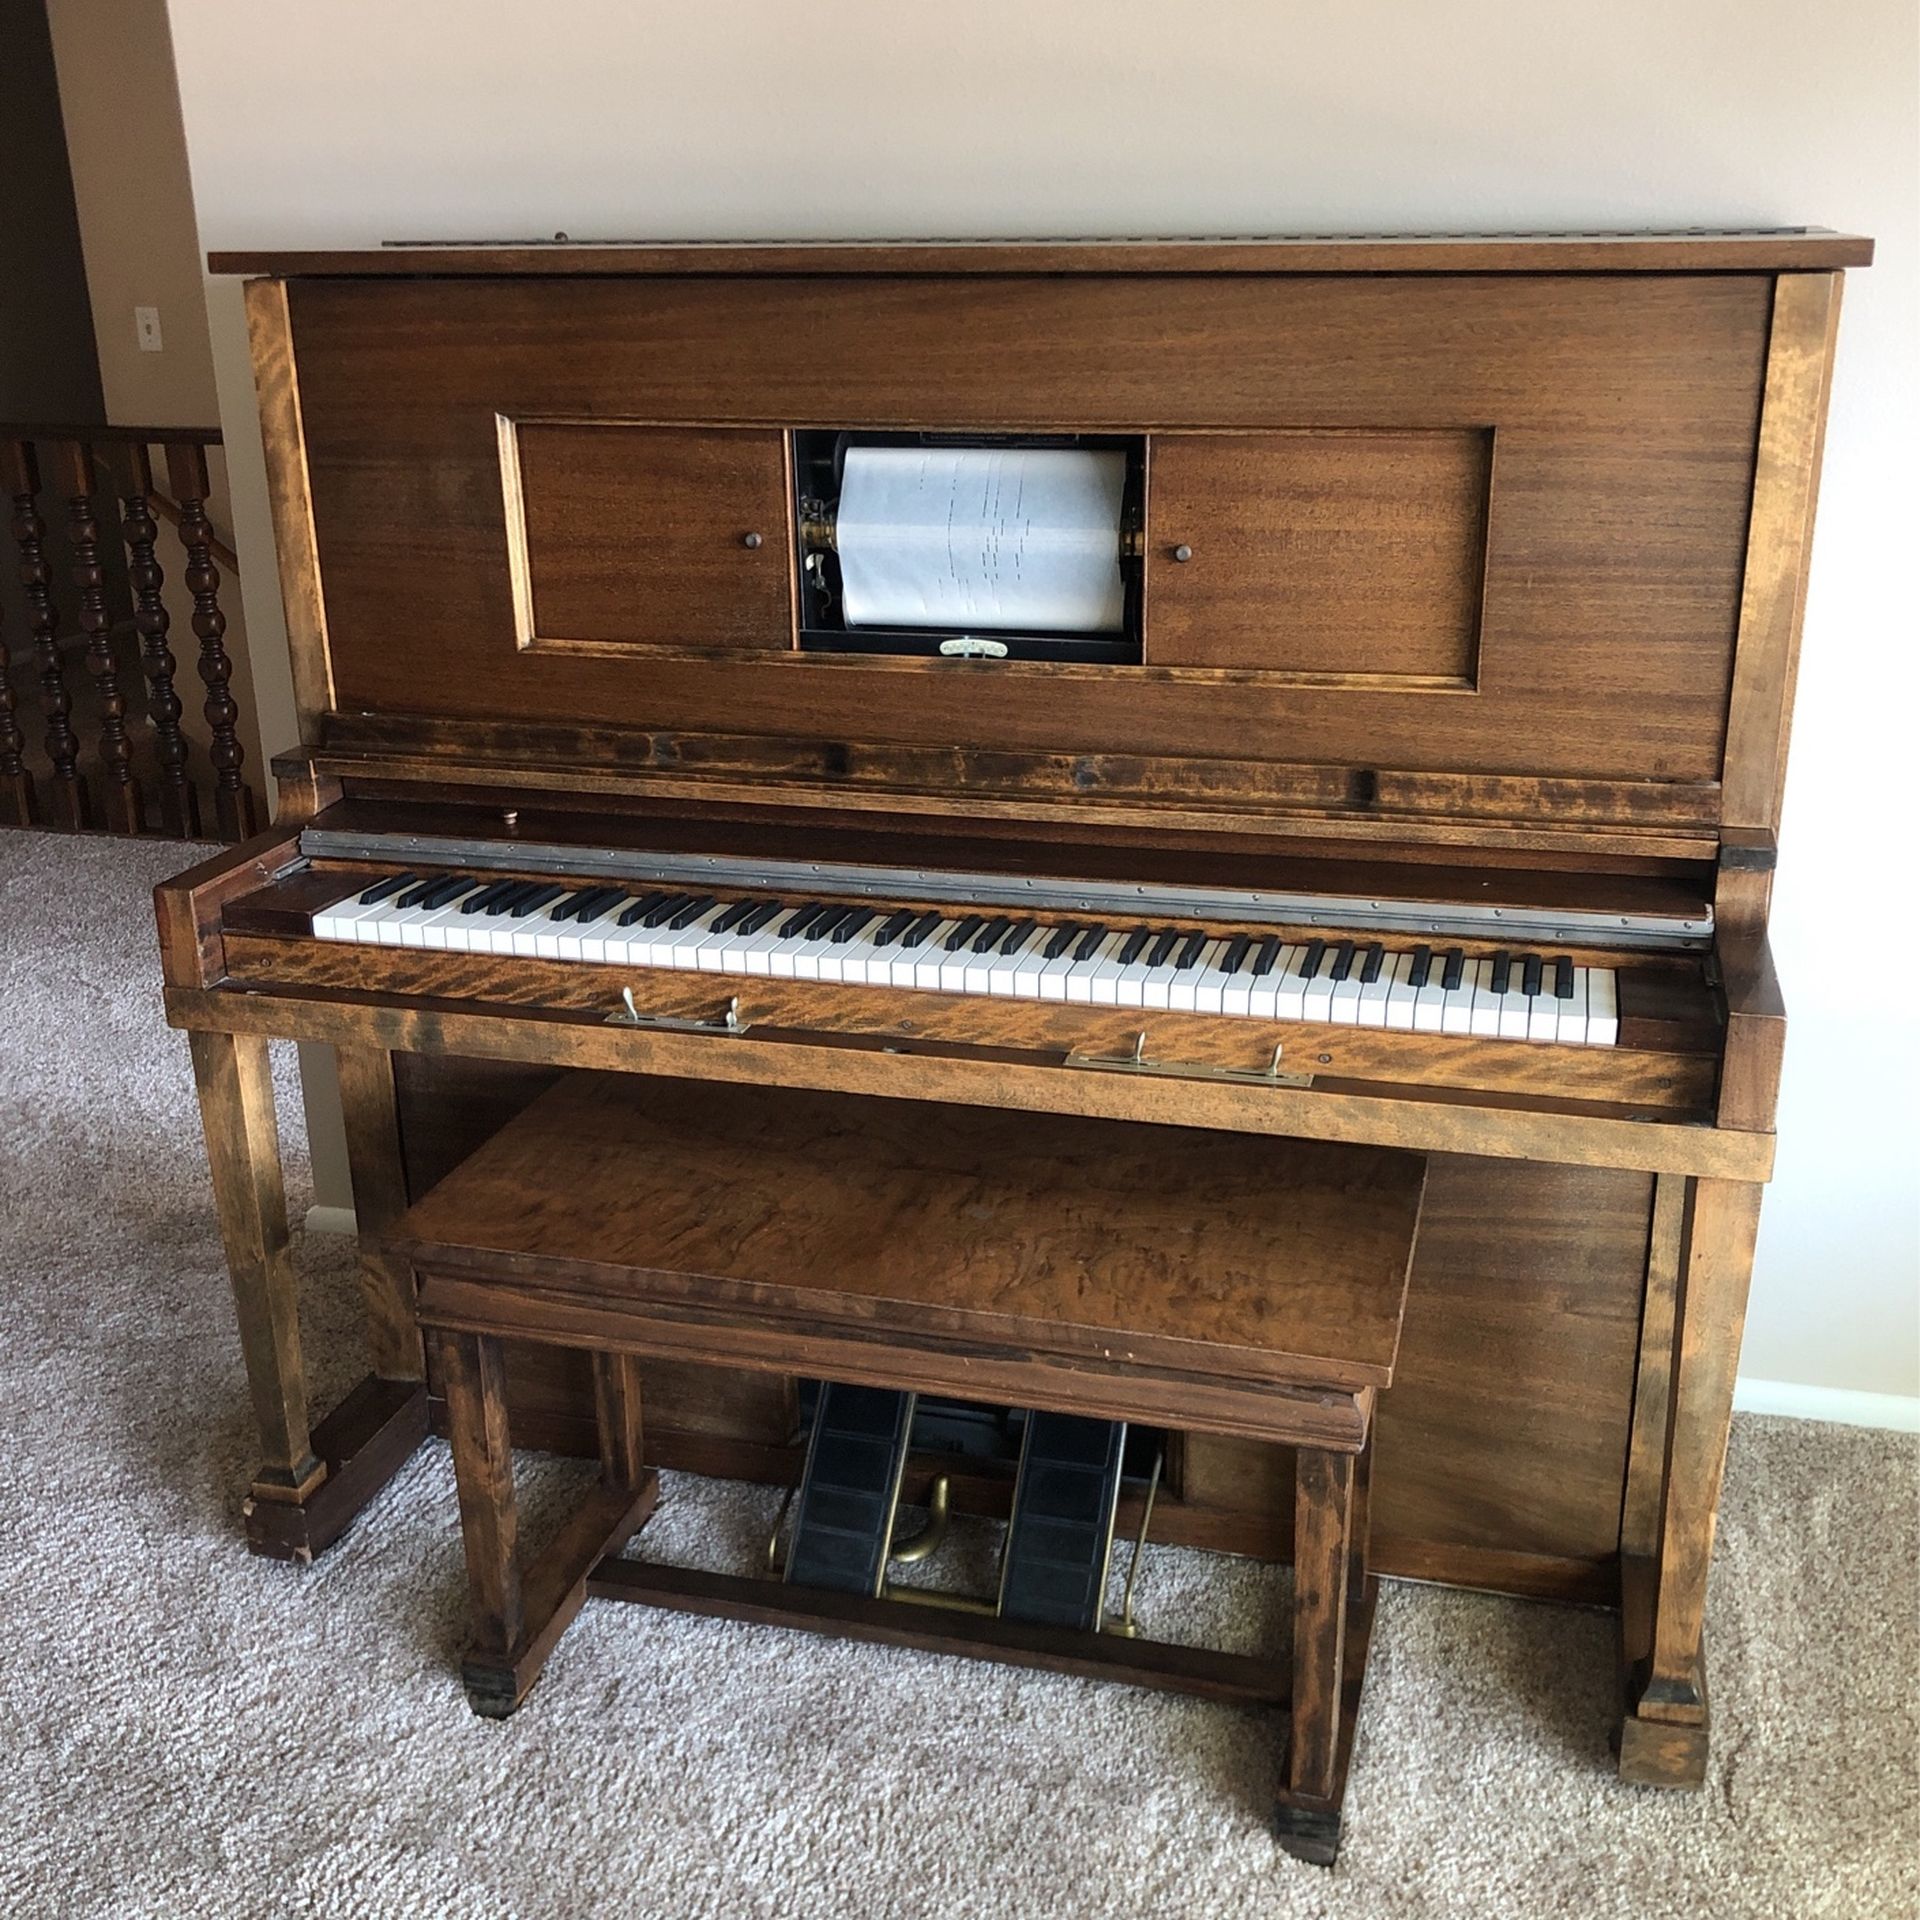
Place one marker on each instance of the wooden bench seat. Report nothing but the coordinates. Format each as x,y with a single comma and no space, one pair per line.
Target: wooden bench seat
1203,1282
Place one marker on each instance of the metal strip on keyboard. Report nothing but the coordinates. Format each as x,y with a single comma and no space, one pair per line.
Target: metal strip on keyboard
1145,899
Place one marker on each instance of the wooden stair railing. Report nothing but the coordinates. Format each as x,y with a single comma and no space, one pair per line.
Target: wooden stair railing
139,779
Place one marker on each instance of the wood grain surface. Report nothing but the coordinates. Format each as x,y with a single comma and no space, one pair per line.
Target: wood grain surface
1270,1260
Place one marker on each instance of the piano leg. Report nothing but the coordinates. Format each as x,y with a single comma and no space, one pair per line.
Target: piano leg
378,1172
1333,1598
517,1619
1663,1739
311,1480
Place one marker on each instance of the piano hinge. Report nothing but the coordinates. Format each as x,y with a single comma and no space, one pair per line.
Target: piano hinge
628,1015
1137,1062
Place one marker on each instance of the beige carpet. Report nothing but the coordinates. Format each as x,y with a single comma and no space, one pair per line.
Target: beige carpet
185,1730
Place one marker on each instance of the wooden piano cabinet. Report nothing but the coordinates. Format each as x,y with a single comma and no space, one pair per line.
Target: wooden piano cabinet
1496,557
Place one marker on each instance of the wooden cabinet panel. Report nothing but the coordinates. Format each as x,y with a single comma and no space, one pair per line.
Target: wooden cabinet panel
1319,554
624,536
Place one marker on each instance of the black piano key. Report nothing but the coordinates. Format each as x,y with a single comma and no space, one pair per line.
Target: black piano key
1135,946
1018,935
922,930
1059,941
852,924
415,894
1563,978
664,909
1454,971
1422,966
482,901
589,911
1342,960
1530,976
730,917
507,901
1265,952
646,904
391,884
1190,952
765,912
1090,943
1310,960
585,903
1376,958
963,931
446,891
1236,953
1502,964
531,903
1163,946
992,934
801,919
688,914
895,924
823,923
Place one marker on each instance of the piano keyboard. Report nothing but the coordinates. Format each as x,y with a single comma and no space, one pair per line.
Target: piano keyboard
1350,982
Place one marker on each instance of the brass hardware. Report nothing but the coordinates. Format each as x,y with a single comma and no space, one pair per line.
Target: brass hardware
1133,543
1126,1626
926,1543
933,1597
629,1015
818,531
1183,553
750,540
779,1521
1138,1062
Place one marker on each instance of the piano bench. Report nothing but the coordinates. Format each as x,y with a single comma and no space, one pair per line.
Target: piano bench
1227,1284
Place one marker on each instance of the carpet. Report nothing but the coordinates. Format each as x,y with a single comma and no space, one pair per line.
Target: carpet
187,1730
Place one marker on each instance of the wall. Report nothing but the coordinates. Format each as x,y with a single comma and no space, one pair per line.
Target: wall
47,370
359,122
133,199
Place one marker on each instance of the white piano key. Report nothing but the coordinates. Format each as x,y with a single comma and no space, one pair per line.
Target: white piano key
1018,974
1343,1004
1603,1007
1429,1002
1514,1005
1370,1005
1316,996
1202,987
1400,993
1543,1011
1270,989
337,921
1091,981
1572,1014
1486,1005
1456,1012
1052,981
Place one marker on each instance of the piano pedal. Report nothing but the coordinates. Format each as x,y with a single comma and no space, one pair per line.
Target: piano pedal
1053,1571
849,1492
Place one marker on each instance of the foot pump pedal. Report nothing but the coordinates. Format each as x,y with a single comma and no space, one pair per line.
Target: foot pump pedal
1060,1538
850,1489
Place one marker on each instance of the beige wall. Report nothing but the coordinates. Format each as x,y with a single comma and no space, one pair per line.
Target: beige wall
361,121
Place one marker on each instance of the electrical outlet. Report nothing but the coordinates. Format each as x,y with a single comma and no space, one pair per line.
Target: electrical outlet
146,328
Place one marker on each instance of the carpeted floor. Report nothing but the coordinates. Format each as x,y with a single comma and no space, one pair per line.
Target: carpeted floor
185,1730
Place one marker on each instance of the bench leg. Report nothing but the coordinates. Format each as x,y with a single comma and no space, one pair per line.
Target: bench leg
1333,1594
519,1616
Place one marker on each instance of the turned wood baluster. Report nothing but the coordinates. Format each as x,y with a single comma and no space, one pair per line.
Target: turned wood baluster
232,797
121,807
16,783
179,804
66,799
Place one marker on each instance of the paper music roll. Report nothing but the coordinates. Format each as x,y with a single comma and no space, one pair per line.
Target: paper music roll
1022,539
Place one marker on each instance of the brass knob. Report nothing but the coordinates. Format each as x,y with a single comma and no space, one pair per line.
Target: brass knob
1183,554
749,539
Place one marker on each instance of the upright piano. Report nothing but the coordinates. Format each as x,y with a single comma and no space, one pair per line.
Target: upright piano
1326,688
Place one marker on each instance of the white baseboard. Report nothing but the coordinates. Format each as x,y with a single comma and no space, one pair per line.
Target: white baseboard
1899,1412
1841,1405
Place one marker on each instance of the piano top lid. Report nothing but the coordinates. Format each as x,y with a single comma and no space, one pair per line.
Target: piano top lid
1688,250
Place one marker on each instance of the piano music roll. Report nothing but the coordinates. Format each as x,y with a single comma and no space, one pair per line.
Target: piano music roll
1013,539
